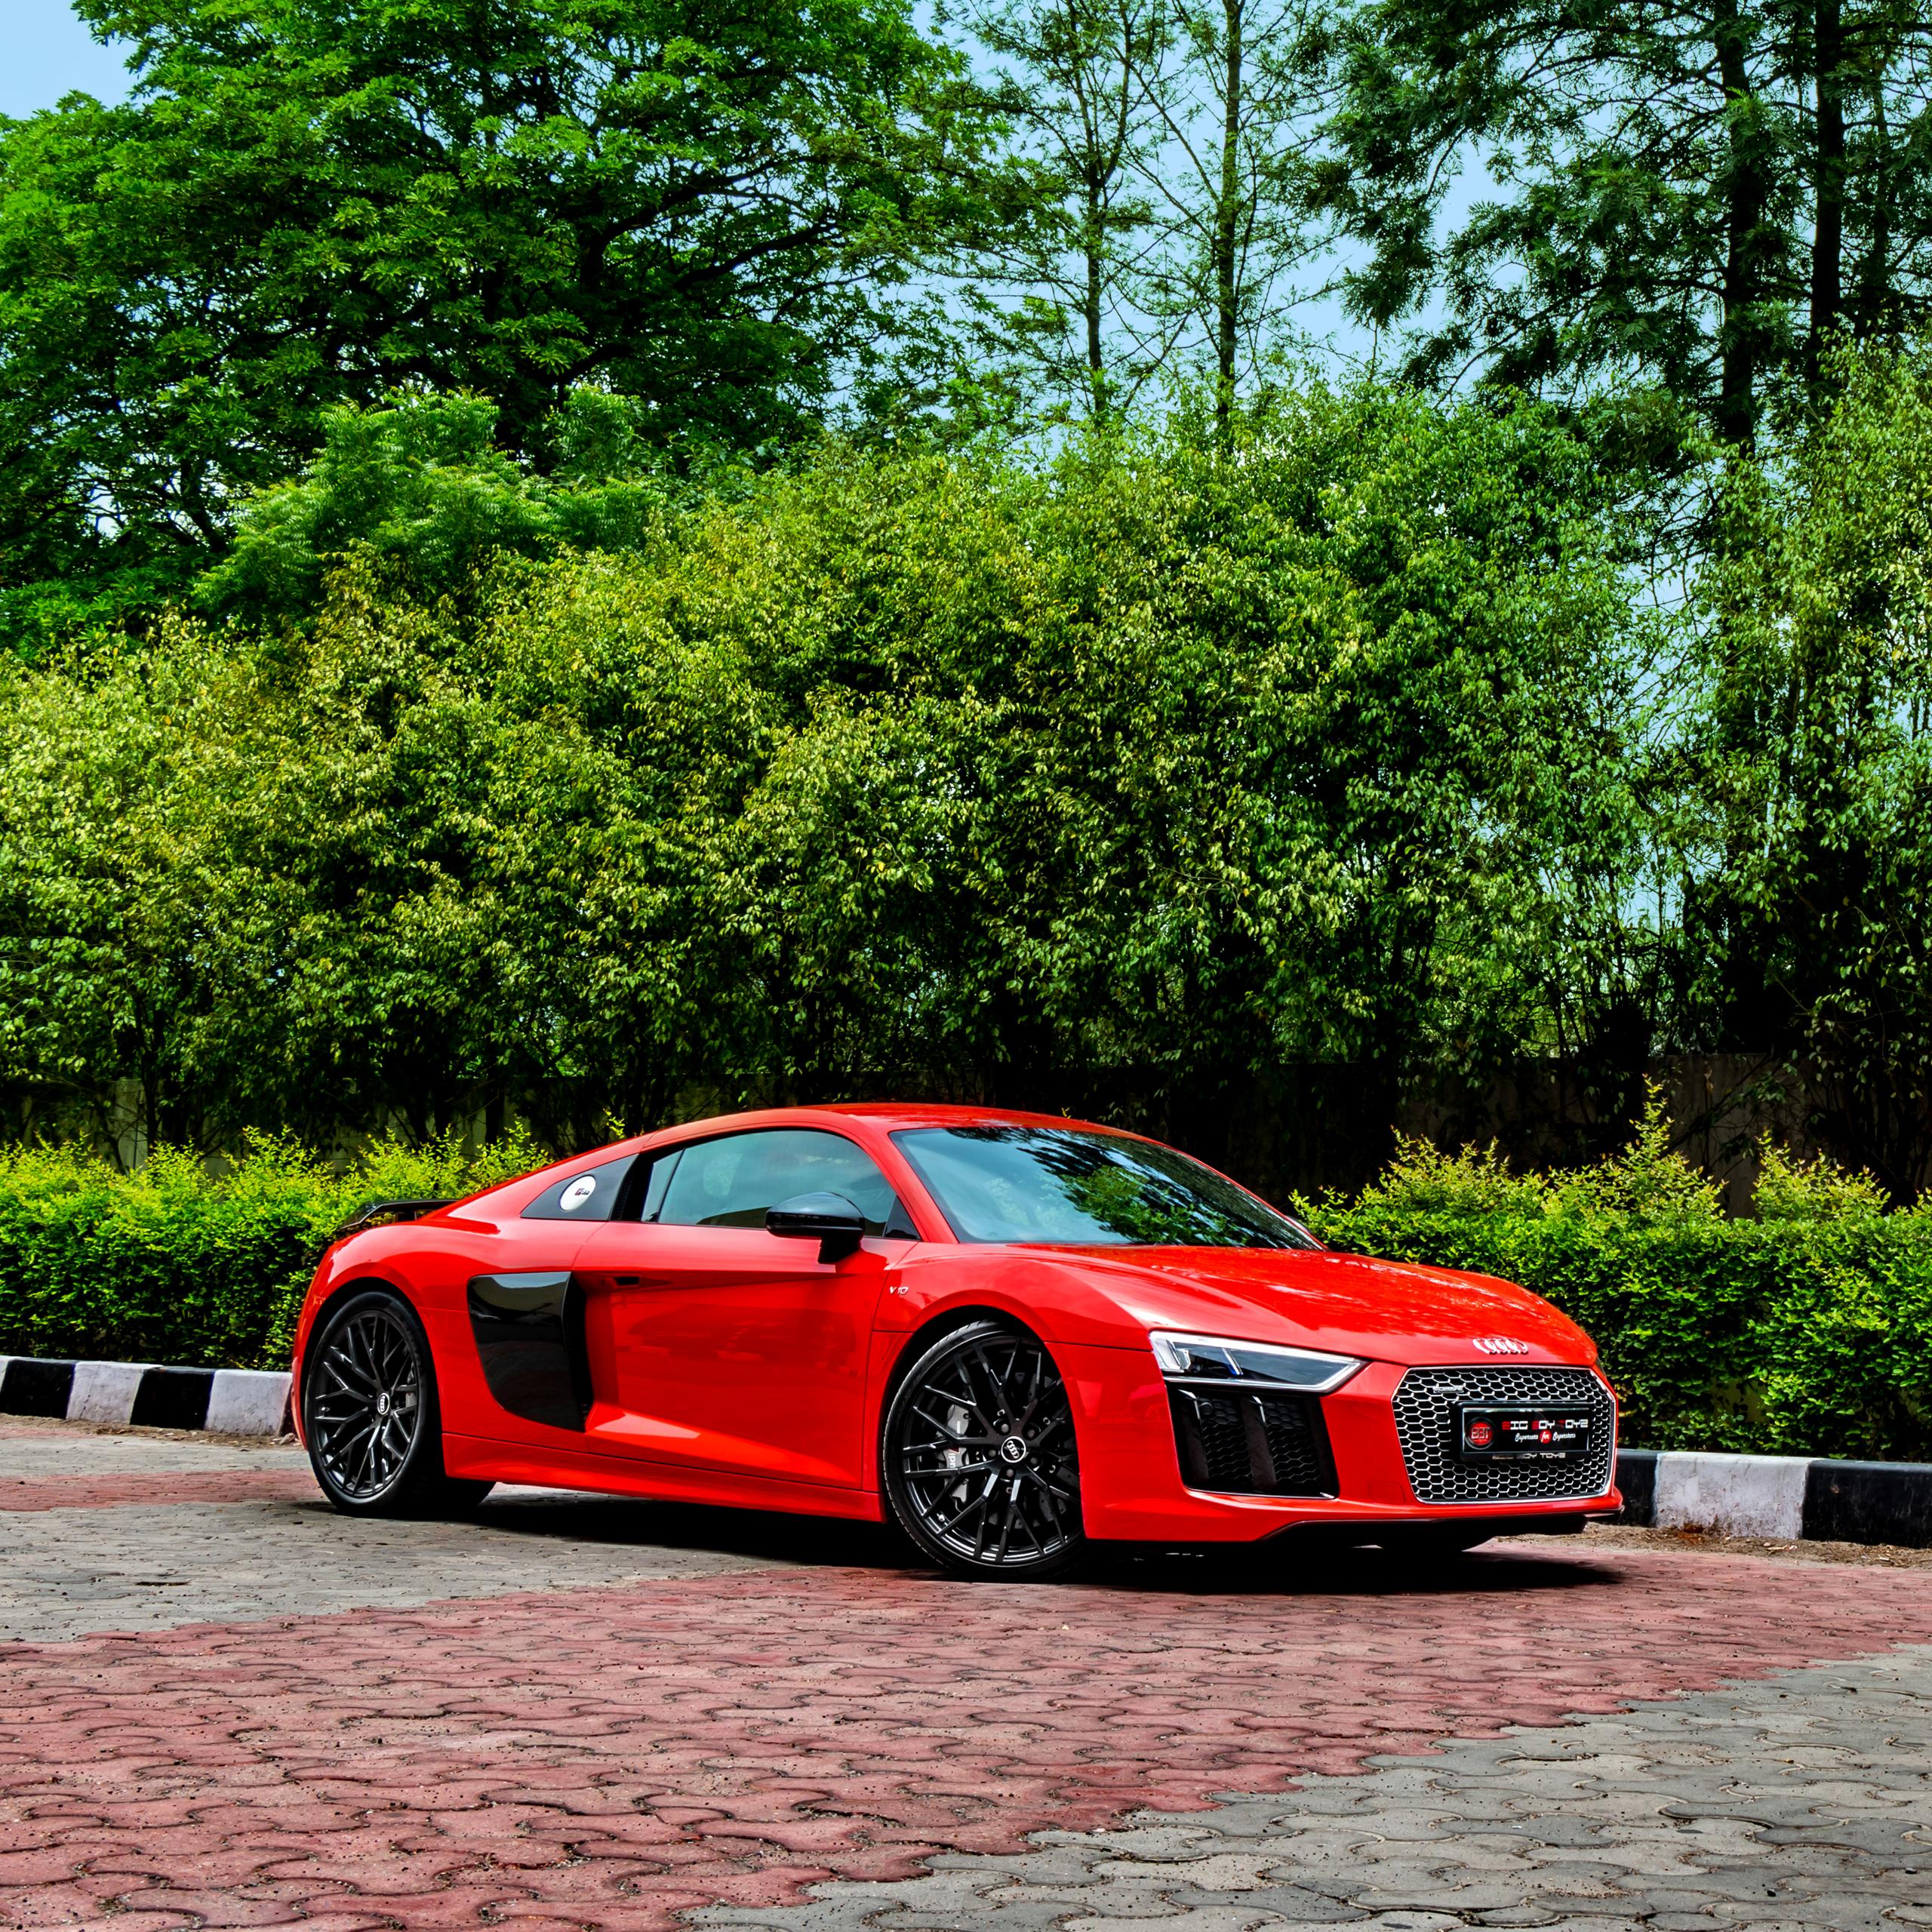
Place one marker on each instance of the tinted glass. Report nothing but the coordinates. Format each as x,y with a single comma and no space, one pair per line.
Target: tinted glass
1060,1185
730,1182
590,1196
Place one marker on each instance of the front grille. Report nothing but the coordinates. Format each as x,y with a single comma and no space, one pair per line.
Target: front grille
1249,1443
1426,1406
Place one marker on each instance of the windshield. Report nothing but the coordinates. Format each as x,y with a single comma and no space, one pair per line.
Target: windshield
1063,1185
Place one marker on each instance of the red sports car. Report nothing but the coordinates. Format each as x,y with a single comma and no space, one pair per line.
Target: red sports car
1017,1335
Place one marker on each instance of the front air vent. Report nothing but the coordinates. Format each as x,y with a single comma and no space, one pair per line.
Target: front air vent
1250,1442
1425,1405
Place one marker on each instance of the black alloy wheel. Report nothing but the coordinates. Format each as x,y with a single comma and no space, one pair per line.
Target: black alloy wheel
370,1414
979,1459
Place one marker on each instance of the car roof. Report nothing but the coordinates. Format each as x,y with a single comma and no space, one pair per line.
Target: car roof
945,1113
877,1113
885,1116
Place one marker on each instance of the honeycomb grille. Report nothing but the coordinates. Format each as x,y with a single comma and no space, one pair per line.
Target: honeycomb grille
1249,1443
1426,1406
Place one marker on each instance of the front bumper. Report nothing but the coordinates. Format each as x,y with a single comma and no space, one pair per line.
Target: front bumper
1131,1488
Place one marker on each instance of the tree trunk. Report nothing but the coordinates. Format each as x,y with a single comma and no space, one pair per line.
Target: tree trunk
1828,230
1744,194
1225,220
1097,374
1874,277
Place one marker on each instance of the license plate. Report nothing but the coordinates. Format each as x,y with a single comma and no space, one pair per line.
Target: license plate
1520,1433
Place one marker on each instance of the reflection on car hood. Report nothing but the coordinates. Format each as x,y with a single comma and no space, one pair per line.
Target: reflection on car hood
1388,1311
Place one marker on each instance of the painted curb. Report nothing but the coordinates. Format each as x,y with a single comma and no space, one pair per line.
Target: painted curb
1791,1499
237,1401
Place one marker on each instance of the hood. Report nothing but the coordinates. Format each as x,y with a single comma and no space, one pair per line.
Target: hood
1348,1304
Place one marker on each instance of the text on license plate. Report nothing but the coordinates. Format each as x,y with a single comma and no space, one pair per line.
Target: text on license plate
1489,1433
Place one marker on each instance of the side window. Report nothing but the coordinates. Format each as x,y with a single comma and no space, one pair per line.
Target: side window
591,1195
730,1182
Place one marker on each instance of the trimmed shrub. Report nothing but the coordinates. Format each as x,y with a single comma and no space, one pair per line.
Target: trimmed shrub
1806,1331
175,1264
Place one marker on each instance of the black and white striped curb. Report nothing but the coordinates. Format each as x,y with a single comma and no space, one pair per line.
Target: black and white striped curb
1791,1498
235,1401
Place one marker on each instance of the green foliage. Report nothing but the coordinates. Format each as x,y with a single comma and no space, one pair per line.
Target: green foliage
102,873
1805,1331
1789,1190
1424,1182
172,1264
1770,158
719,210
1160,760
1814,764
419,489
1647,1180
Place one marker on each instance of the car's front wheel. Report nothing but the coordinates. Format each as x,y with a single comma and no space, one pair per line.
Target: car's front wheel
978,1457
370,1414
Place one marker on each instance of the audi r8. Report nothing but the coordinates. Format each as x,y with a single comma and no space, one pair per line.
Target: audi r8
1016,1336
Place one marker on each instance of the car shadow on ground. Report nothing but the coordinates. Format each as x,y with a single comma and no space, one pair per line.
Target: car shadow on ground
1289,1567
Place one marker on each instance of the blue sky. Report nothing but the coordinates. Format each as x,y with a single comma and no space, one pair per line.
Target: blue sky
50,53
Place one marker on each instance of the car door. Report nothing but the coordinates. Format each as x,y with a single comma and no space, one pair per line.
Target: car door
716,1345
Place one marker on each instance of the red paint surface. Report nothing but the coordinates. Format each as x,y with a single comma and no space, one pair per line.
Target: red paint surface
609,1757
723,1358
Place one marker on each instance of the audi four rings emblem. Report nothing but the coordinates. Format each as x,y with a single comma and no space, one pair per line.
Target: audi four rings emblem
1501,1344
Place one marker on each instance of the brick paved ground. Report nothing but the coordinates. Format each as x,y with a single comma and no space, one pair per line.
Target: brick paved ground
593,1714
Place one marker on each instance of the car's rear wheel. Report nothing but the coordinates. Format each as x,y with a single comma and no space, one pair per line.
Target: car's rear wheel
979,1459
370,1413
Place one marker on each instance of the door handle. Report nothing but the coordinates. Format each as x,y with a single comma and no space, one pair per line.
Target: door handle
642,1281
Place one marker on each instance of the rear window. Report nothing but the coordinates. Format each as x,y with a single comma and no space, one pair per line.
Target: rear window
591,1195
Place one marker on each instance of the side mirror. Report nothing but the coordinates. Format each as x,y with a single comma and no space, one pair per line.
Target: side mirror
830,1220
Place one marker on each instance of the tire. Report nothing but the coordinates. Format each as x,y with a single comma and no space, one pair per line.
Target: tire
978,1459
370,1414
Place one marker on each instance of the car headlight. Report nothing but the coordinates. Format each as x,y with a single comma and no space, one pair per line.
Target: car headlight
1251,1365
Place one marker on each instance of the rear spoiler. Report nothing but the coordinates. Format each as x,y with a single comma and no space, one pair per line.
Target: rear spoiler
372,1211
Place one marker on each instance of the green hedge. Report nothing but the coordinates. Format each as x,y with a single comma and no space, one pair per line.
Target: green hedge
173,1264
1805,1331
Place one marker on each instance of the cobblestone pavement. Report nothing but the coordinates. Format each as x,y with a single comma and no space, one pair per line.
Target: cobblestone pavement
1805,1800
192,1530
584,1713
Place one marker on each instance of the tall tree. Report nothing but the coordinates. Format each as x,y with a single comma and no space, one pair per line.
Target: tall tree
716,206
1695,197
1075,77
1238,104
1173,136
